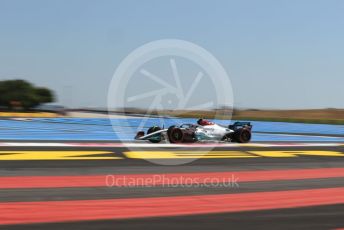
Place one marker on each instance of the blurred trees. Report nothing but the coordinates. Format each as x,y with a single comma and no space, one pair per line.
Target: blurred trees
22,95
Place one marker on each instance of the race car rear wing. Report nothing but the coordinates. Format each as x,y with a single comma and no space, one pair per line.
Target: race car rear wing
240,124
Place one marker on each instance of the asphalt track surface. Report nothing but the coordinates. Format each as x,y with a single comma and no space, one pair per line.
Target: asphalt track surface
242,187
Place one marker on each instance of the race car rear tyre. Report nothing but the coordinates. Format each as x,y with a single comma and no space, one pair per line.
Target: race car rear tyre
242,135
157,137
175,135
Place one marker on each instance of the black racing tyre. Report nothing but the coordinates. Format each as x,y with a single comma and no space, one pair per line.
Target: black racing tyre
169,130
242,135
175,134
157,138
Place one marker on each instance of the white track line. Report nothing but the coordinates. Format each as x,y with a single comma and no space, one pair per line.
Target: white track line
150,145
298,135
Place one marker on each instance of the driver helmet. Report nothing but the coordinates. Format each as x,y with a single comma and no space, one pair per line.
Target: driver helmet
204,122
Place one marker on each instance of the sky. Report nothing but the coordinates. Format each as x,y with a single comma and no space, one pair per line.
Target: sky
278,53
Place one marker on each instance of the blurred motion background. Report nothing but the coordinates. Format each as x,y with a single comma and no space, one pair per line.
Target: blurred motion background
279,55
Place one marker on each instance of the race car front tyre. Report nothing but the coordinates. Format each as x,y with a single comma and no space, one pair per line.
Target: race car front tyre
242,135
156,138
175,134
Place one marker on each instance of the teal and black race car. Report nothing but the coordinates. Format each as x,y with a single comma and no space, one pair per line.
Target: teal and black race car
203,131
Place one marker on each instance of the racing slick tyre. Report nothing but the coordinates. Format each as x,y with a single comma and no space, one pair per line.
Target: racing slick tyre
175,134
242,135
156,138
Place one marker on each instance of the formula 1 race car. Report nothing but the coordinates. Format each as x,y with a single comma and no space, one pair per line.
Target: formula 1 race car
203,131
